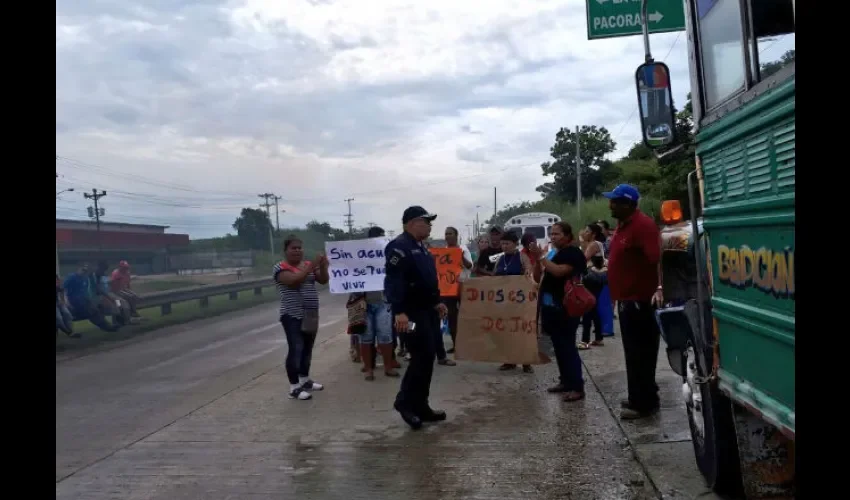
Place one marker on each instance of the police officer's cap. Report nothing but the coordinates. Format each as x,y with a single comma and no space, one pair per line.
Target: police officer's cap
416,212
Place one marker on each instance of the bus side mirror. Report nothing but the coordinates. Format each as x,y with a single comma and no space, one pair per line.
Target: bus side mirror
655,100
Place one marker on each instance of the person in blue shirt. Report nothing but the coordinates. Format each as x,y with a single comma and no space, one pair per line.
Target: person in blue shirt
412,289
80,294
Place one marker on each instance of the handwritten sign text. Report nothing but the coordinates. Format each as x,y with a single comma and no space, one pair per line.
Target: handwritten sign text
357,265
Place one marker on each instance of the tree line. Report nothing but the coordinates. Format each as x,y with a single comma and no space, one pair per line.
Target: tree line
656,179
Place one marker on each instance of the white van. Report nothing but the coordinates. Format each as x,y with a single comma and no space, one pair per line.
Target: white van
537,223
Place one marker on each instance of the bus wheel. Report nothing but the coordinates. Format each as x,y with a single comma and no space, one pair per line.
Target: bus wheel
712,426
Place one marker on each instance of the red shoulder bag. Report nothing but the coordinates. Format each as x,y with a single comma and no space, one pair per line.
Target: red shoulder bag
577,300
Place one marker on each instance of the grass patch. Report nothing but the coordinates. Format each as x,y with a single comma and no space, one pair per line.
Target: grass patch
181,312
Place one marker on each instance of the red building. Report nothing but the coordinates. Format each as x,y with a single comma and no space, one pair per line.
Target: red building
145,246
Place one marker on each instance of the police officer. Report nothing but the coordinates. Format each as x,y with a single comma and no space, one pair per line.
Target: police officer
411,287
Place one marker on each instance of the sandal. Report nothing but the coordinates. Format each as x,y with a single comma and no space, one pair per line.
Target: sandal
573,396
583,346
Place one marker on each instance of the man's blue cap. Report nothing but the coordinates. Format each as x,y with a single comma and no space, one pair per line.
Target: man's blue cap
623,191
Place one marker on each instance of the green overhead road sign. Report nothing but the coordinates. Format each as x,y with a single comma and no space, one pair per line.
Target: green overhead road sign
612,18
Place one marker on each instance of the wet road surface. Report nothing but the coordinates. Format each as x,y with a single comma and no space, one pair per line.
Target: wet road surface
200,412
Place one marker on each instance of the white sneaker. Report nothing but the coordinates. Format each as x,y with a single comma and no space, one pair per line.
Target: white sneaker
299,393
309,385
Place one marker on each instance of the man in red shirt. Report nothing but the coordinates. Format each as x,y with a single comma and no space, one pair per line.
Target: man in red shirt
634,282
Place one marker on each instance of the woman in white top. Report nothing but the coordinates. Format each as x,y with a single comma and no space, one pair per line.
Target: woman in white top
594,241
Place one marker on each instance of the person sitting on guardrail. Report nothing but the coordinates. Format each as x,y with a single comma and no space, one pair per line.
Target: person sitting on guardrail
81,299
296,280
120,285
111,304
64,318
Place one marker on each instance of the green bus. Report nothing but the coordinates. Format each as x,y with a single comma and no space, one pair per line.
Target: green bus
728,272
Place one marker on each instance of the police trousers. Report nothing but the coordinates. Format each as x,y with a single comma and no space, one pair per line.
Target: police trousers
421,344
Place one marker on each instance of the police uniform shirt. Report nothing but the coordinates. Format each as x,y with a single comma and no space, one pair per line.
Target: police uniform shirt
411,281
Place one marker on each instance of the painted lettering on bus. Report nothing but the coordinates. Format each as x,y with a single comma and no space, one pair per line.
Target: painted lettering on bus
771,271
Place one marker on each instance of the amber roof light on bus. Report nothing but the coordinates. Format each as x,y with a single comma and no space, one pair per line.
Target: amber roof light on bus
671,212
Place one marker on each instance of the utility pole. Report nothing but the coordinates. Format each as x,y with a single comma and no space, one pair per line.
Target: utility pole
469,232
349,221
96,213
477,222
578,174
266,204
277,213
391,233
371,224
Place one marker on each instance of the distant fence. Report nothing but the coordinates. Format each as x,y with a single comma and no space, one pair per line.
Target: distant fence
181,263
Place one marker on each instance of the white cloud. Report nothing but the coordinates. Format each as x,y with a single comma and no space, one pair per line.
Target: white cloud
204,104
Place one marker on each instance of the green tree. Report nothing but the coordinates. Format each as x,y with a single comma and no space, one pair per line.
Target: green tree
509,211
253,226
595,142
772,67
326,230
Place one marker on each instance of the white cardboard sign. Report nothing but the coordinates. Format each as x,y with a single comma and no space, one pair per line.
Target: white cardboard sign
356,265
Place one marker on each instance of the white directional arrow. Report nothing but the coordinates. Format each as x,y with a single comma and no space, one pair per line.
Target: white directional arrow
655,17
601,2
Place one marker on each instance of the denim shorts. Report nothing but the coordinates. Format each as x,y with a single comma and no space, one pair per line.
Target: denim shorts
379,324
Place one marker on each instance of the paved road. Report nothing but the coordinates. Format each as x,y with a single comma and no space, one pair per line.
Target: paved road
200,411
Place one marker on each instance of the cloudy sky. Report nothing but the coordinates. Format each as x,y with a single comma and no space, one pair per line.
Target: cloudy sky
184,111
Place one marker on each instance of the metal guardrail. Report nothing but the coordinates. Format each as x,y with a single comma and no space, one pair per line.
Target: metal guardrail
201,293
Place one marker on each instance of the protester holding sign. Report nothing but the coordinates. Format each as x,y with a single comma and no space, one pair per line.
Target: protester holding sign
513,263
296,280
413,290
378,326
498,321
452,300
566,262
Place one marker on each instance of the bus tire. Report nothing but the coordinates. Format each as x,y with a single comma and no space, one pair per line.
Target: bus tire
712,426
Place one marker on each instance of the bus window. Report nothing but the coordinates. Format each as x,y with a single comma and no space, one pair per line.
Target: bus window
772,36
516,230
538,231
722,47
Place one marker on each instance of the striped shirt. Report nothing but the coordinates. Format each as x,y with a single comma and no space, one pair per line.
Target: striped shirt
293,301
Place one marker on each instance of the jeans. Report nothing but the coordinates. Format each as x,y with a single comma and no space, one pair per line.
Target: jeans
379,325
562,329
641,339
91,312
300,352
416,383
64,319
594,319
452,304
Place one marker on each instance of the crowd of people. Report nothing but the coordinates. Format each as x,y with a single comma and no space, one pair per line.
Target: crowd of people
404,320
105,299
